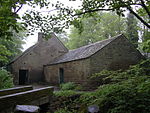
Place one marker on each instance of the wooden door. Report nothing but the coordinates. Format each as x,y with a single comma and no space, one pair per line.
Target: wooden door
61,75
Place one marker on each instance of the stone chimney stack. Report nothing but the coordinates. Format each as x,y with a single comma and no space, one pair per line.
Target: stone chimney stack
40,36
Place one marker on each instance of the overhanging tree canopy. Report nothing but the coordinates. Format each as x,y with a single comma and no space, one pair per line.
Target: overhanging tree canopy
65,16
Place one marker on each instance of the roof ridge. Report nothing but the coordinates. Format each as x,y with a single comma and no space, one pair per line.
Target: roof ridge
92,44
54,35
23,53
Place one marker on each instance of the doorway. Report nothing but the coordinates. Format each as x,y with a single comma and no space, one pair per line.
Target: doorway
23,77
61,75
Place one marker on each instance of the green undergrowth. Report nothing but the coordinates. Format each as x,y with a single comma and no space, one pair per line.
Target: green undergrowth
6,80
63,110
121,92
70,86
65,93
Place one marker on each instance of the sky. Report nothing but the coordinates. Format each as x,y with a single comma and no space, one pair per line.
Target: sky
32,39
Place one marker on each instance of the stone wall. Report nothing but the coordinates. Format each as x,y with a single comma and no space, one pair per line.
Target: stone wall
119,54
37,56
15,90
75,71
38,97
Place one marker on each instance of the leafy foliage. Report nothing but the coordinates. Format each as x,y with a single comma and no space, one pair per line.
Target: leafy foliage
65,93
132,30
62,100
98,27
62,111
4,53
146,34
9,15
139,70
146,46
127,93
8,18
122,97
10,48
64,16
124,93
6,80
119,6
69,86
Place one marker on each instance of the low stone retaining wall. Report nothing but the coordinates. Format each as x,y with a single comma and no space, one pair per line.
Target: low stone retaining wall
15,90
31,97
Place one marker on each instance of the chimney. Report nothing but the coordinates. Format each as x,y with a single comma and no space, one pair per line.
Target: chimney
40,36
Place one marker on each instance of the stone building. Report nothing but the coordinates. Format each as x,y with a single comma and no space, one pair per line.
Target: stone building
28,67
76,65
50,61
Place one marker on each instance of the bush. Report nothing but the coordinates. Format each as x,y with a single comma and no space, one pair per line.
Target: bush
70,86
124,97
64,93
127,92
6,80
141,69
62,111
64,101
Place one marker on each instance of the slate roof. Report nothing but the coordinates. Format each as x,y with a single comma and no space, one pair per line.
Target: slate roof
83,52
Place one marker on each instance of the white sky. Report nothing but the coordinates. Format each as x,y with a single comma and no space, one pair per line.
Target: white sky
32,39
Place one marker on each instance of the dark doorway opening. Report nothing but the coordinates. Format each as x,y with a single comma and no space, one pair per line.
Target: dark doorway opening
61,75
23,77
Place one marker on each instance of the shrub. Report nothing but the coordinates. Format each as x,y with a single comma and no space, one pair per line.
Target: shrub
70,86
65,99
129,92
64,93
141,69
131,96
62,111
6,80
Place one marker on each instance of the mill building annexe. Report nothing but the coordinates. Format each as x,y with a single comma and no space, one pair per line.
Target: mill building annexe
51,62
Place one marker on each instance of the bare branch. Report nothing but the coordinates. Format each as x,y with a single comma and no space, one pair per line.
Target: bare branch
50,10
18,8
91,11
137,16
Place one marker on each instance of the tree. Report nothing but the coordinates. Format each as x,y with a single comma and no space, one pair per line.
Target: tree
63,37
4,54
10,39
145,34
132,30
9,15
6,80
11,47
145,31
98,27
119,6
146,47
66,16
